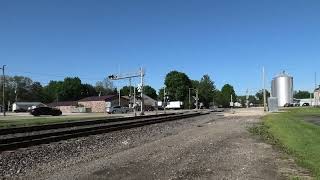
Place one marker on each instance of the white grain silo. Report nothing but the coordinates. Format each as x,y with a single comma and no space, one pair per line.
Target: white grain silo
282,88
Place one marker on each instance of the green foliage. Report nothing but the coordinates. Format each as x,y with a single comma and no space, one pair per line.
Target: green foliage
88,90
125,91
71,89
206,89
290,132
160,94
259,95
242,100
226,92
195,84
302,95
105,87
53,91
23,89
177,86
149,91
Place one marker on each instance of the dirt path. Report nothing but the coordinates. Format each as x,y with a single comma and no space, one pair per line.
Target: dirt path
211,149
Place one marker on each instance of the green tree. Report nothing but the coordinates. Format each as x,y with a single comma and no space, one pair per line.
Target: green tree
36,92
259,96
242,100
160,94
149,91
177,86
22,87
88,90
206,89
195,84
105,87
71,89
53,91
125,91
218,98
302,95
226,92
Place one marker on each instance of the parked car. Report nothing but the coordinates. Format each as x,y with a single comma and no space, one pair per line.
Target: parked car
296,104
117,109
288,105
20,110
46,111
305,104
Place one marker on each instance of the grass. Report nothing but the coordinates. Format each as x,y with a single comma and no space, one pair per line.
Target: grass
294,135
29,121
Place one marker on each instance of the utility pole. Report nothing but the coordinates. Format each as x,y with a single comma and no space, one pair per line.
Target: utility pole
16,92
134,100
197,98
119,97
164,99
231,104
231,99
189,99
130,94
142,100
3,91
315,87
212,99
264,90
247,98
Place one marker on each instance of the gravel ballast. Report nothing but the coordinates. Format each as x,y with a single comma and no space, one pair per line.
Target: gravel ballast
206,147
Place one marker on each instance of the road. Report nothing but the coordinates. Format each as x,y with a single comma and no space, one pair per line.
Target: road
207,147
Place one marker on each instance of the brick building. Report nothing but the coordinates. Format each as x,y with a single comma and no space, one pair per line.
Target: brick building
98,104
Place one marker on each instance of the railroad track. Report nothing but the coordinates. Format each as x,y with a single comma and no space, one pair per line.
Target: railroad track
15,138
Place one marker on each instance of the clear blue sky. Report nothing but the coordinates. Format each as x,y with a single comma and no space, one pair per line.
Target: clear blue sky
228,39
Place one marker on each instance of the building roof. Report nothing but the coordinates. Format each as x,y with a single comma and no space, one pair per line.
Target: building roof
63,103
148,101
98,98
27,103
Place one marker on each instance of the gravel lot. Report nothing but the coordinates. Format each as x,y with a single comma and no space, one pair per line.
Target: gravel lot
206,147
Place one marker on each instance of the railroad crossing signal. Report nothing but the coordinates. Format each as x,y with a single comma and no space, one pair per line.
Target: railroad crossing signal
140,74
139,88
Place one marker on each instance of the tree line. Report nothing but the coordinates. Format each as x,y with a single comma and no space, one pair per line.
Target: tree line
178,84
24,89
20,88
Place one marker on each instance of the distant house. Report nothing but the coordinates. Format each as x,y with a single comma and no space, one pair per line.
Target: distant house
24,106
100,103
65,106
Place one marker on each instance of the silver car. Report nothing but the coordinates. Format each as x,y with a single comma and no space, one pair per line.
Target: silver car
117,109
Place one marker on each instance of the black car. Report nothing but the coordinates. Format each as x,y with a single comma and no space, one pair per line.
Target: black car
305,104
46,111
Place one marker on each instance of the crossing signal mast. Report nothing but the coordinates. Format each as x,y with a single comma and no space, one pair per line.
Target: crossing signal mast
139,74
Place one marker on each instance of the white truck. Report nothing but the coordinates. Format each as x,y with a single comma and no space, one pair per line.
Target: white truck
174,105
171,105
